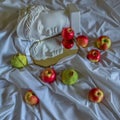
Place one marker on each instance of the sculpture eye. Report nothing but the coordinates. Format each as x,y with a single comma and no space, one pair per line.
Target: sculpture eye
45,11
40,27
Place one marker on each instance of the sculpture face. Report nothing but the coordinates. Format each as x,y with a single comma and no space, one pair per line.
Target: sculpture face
40,23
48,24
46,49
53,22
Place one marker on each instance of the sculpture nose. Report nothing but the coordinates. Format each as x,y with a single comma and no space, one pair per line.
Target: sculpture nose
52,31
49,32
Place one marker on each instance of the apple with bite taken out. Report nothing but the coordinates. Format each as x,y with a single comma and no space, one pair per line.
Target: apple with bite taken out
103,43
31,98
67,33
82,40
68,44
48,75
94,55
96,95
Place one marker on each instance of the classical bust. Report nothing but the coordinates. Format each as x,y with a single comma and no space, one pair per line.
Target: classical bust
39,25
36,23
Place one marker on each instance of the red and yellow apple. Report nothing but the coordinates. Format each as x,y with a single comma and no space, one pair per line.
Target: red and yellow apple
94,55
48,75
67,33
82,40
96,95
103,43
31,98
68,44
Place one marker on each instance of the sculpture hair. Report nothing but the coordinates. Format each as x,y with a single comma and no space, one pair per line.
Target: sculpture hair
30,13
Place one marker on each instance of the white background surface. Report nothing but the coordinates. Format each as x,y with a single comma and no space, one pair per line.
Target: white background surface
58,101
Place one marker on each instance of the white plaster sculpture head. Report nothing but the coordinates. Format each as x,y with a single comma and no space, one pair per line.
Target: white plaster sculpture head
36,23
39,24
48,48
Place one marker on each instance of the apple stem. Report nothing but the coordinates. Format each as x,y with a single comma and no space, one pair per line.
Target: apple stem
48,73
71,73
98,93
94,53
105,40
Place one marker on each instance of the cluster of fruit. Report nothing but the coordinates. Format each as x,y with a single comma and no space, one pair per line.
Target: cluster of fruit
68,77
102,43
48,75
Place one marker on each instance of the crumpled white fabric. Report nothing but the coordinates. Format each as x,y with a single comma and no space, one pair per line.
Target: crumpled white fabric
58,101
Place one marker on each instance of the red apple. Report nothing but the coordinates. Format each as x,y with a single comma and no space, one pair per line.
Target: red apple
94,55
48,75
67,43
31,98
68,33
103,43
82,40
96,95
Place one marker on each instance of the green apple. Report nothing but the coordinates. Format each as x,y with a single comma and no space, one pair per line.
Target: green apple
69,76
19,60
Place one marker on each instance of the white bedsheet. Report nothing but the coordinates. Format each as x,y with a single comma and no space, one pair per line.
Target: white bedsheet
58,101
